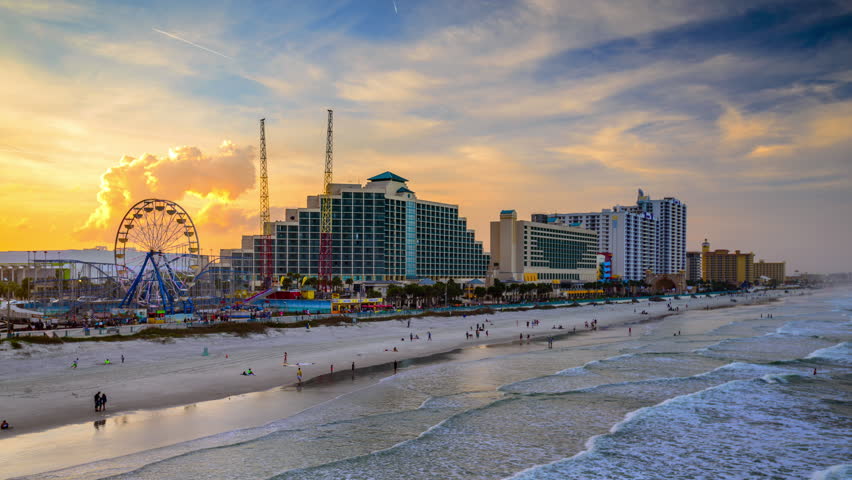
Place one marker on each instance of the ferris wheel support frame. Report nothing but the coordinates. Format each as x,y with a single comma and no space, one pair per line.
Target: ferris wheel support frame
165,294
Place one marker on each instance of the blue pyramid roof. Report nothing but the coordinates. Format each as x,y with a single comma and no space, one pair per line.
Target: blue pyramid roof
387,176
403,190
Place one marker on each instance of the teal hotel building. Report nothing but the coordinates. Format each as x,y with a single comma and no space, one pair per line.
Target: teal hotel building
381,232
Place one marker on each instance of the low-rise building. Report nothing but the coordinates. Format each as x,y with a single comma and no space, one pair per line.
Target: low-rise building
527,251
774,271
724,266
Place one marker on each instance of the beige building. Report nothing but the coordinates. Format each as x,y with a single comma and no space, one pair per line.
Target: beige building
723,266
542,252
773,270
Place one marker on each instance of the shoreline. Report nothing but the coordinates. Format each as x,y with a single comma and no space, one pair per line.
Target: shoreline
29,415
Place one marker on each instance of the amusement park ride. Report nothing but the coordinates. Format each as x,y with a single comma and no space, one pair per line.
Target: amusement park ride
158,264
157,257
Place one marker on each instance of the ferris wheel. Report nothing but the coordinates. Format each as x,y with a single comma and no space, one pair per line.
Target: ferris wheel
157,256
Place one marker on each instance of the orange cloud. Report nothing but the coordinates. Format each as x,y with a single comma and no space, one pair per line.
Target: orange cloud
185,173
616,147
770,150
395,86
736,128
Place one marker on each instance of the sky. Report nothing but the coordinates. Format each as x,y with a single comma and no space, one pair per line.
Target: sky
742,110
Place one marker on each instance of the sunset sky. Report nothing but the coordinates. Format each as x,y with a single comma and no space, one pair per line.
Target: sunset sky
743,110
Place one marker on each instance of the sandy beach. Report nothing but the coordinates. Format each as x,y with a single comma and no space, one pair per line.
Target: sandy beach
39,390
168,398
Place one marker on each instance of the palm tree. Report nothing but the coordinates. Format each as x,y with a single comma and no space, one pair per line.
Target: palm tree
371,293
396,292
479,292
349,282
336,283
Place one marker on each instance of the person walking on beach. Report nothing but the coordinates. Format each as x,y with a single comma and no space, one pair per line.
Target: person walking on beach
353,369
98,401
430,336
285,357
122,358
103,401
629,331
299,375
395,366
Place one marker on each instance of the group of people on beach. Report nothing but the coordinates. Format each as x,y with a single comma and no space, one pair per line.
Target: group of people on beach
479,328
100,402
107,361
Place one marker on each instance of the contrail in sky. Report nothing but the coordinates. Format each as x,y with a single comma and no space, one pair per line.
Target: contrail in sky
394,8
193,44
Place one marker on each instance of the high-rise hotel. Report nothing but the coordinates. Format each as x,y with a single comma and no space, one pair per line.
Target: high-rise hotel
670,214
650,235
381,231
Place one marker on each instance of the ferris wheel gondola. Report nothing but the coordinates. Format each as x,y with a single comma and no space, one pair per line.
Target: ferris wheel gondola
164,240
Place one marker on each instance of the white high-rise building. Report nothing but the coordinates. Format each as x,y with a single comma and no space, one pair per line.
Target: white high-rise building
629,236
650,235
670,214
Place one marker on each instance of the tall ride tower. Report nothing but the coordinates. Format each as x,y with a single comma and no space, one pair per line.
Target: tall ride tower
264,181
325,252
266,254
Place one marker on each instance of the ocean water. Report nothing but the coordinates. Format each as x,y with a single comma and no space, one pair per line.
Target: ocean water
738,401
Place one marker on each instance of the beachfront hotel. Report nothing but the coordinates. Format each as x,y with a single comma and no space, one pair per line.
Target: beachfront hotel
381,231
723,266
770,271
670,215
650,235
525,251
629,237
